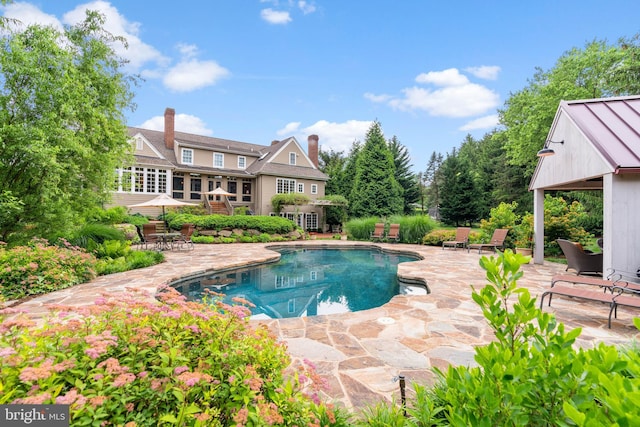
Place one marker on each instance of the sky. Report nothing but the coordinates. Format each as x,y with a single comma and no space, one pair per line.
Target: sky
430,72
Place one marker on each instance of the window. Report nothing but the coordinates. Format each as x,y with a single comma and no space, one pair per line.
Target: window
218,160
178,186
151,181
284,186
311,221
242,162
141,180
232,187
187,156
314,188
139,144
196,188
300,187
292,158
246,191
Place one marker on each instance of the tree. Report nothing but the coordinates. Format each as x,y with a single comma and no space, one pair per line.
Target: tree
459,194
375,190
333,164
433,179
407,179
596,71
62,128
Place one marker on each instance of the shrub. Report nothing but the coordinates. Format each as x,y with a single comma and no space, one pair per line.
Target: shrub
436,237
132,360
563,221
120,260
280,200
39,268
413,228
90,235
264,224
531,374
502,216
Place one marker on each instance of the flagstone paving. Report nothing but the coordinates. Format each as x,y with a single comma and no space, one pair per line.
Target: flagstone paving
361,354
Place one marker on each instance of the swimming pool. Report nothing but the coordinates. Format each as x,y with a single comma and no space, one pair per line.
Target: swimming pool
310,282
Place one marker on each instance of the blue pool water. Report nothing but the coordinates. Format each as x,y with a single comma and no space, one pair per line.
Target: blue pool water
309,282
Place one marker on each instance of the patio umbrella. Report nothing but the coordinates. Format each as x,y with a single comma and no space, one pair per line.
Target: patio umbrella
219,192
162,200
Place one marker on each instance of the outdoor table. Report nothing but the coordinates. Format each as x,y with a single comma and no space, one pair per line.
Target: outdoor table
165,239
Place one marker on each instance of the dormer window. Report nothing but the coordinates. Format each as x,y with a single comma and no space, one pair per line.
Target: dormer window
292,158
187,156
139,144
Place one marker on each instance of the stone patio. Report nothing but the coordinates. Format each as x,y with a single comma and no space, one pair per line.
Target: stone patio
360,354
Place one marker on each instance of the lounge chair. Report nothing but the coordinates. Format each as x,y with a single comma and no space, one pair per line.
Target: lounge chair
496,242
394,233
614,299
579,260
378,232
614,280
461,239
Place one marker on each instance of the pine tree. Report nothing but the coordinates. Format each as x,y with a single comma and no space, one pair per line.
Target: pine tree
459,193
375,190
407,179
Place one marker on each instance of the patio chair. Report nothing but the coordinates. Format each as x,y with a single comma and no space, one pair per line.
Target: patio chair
378,232
461,239
184,240
608,284
579,260
149,236
394,233
496,242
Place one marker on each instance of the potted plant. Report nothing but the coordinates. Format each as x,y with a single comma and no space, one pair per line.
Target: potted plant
524,235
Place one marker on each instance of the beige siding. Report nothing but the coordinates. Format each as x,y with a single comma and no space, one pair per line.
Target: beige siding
205,158
283,156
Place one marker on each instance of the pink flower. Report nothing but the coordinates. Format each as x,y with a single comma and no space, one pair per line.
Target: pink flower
7,351
180,369
123,379
41,372
192,378
34,400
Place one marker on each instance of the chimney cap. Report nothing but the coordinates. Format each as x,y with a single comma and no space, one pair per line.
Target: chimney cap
314,137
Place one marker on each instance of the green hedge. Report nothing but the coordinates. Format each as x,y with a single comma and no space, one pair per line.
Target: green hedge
264,224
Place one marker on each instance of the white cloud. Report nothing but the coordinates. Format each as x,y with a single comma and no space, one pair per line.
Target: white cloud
449,77
455,96
183,123
486,122
377,98
454,101
306,7
189,75
289,129
138,53
28,14
333,136
275,17
487,72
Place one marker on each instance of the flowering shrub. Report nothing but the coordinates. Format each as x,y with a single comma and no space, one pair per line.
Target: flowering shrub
436,237
133,360
38,268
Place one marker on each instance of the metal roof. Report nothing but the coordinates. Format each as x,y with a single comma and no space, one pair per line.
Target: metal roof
613,127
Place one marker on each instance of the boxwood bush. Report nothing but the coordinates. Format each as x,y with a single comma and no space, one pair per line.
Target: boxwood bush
264,224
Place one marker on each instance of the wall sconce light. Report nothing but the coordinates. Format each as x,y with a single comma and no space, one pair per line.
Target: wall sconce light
546,151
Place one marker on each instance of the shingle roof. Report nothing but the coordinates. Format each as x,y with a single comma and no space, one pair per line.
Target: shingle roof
613,127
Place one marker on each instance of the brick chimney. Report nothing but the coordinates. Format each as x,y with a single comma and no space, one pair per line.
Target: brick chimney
274,142
169,127
312,140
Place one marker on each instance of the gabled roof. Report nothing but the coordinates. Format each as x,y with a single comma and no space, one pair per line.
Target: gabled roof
263,154
612,125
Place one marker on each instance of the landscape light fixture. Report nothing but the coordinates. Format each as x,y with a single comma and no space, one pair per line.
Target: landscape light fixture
546,151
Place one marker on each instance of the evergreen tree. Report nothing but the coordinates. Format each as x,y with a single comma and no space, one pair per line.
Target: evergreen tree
459,193
433,179
333,164
375,190
407,179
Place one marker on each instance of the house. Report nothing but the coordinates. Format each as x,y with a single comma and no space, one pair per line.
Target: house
594,144
185,166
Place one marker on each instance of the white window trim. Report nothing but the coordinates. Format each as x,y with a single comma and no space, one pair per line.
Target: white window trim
245,162
182,153
300,187
314,188
292,158
214,160
139,144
